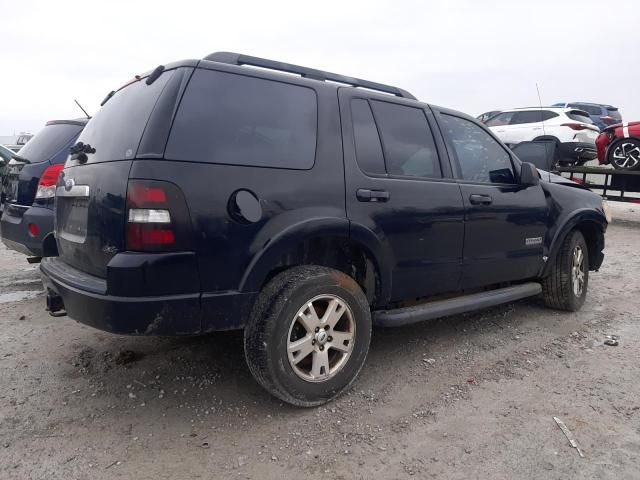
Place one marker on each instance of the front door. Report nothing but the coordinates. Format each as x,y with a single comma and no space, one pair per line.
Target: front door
505,223
397,188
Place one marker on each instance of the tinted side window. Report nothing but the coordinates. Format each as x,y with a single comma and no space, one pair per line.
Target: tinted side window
409,148
365,132
501,119
532,116
240,120
481,158
548,115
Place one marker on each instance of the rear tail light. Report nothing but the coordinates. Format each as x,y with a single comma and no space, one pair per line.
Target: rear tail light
580,126
33,230
157,217
48,180
608,120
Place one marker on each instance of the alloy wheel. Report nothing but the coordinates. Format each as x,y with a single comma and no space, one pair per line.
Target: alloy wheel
626,155
321,338
577,271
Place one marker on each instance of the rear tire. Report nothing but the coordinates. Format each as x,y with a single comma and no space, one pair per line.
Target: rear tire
565,288
308,335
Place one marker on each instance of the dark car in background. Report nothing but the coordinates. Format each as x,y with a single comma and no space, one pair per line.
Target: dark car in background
28,187
602,115
6,155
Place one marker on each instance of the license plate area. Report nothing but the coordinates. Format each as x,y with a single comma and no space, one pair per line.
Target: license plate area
73,221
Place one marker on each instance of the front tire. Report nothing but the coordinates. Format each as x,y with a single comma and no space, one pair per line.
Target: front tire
624,154
565,288
308,335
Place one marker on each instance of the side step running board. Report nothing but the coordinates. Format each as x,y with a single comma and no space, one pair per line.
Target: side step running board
454,306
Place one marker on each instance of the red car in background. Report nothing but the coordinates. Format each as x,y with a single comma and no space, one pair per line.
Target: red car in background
619,145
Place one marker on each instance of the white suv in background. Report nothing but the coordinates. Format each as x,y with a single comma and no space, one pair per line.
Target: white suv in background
572,129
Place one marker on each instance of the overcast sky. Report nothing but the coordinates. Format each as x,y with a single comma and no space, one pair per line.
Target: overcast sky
473,56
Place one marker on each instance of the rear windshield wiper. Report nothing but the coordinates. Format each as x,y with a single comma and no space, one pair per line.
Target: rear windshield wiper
80,150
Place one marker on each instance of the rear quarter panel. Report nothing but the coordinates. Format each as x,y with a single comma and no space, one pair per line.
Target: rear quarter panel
290,200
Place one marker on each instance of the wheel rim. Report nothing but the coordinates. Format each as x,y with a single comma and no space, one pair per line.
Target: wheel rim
626,155
577,271
321,338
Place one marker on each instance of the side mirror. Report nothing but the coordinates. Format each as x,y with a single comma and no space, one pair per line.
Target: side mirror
529,175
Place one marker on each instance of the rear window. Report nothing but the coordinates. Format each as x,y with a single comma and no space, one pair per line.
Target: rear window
241,120
116,129
579,116
407,141
614,113
590,109
48,142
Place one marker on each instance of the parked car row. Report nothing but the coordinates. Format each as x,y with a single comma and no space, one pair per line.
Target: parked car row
572,129
582,131
15,142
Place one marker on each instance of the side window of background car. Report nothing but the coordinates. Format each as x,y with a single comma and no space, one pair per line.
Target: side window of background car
365,133
529,116
481,158
408,144
499,120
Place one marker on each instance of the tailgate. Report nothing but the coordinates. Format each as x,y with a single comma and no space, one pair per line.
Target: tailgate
90,215
91,196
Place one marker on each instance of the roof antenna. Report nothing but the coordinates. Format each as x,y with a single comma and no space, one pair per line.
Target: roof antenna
83,110
540,105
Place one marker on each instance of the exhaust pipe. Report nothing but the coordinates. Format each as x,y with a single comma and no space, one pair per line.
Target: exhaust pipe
55,305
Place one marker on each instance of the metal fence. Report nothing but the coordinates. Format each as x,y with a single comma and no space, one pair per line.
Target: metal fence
618,185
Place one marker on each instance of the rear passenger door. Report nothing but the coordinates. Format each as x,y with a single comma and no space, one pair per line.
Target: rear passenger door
397,188
505,222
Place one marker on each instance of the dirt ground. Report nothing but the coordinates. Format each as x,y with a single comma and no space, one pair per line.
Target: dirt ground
472,396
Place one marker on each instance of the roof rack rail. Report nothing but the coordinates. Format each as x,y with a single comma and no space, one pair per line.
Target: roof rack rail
239,59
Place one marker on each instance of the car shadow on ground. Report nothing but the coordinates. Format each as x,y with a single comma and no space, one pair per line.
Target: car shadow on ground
207,370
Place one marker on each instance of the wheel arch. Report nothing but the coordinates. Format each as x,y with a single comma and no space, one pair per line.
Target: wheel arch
592,225
322,241
549,138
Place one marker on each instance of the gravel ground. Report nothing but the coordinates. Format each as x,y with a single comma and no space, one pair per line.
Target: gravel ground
471,396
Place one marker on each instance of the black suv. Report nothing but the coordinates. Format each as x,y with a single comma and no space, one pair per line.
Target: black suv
29,184
210,195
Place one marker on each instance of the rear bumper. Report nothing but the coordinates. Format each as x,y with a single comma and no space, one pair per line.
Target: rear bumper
15,229
577,151
85,299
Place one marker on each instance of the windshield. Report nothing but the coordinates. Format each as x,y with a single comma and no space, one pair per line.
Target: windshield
48,142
